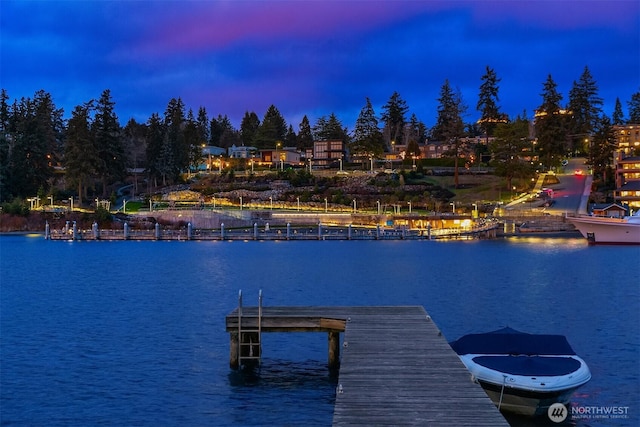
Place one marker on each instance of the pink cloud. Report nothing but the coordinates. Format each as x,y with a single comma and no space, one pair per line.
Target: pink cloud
211,25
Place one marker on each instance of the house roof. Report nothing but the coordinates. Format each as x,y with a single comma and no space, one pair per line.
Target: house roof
606,206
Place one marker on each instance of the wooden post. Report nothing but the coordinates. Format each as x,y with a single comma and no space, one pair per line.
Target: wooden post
234,363
334,350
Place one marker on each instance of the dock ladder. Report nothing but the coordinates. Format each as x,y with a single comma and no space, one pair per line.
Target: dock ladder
249,334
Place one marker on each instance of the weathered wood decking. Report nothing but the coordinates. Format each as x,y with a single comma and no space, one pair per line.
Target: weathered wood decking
396,367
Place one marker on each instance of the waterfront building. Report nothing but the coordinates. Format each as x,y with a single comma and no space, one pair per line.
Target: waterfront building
626,161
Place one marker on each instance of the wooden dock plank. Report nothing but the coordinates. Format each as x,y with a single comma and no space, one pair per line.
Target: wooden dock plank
401,371
396,367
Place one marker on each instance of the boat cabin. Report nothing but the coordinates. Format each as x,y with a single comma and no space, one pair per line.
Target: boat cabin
611,210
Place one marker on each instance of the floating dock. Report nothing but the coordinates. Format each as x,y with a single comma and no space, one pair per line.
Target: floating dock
396,367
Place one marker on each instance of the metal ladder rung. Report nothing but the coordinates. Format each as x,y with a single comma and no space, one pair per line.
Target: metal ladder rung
253,333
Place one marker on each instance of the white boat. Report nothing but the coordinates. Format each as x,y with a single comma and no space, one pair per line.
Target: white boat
606,230
523,373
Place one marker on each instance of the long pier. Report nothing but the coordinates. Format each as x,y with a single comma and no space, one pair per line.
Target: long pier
396,367
288,232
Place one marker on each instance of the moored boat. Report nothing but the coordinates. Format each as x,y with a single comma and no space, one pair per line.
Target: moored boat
523,373
606,230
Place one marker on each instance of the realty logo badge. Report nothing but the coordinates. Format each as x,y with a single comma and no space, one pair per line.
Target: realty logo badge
557,412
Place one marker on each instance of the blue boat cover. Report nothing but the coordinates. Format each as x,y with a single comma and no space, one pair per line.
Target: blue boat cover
509,341
534,366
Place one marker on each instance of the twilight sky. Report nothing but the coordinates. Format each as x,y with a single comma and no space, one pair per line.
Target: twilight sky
314,57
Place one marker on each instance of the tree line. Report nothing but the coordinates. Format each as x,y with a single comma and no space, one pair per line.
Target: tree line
94,150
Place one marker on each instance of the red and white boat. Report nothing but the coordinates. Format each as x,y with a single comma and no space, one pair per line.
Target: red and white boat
605,230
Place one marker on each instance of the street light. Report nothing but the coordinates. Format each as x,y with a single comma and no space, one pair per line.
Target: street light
354,205
378,203
51,198
453,207
371,160
71,200
340,160
270,202
240,202
326,206
475,208
298,199
409,203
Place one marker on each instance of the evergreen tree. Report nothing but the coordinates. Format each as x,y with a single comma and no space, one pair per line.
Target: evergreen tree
415,135
601,153
176,149
585,107
81,159
305,137
108,143
291,140
634,109
367,138
618,115
330,129
488,102
134,137
215,132
202,125
158,157
6,145
393,117
506,149
272,130
192,138
449,126
229,136
551,125
33,145
248,128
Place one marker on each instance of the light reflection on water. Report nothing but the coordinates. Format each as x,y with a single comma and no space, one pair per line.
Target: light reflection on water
132,333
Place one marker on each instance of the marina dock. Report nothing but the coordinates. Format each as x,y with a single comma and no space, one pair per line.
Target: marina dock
396,367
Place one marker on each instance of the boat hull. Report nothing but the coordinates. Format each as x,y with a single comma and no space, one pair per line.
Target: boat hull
521,386
522,402
523,373
608,230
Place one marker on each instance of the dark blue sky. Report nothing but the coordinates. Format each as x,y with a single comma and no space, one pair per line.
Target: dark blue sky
314,57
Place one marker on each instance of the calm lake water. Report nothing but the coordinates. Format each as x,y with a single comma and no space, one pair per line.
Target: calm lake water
132,333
